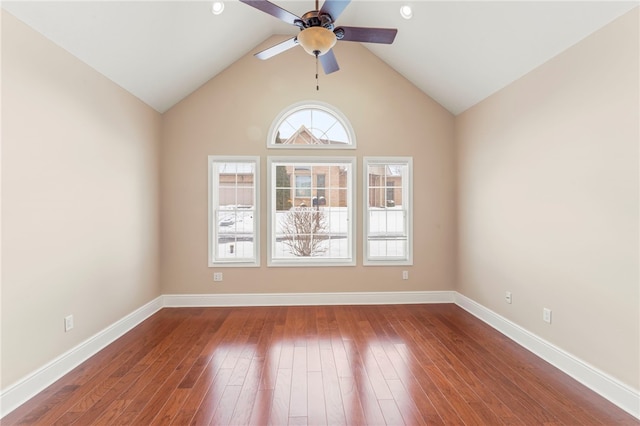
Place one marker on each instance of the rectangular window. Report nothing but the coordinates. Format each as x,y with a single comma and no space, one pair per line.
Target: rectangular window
320,185
388,211
233,211
311,211
391,192
303,186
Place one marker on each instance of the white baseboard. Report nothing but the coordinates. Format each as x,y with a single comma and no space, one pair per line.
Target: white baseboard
302,299
20,392
608,387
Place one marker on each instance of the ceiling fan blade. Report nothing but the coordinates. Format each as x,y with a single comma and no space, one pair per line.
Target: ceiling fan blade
278,48
334,7
368,35
273,10
329,62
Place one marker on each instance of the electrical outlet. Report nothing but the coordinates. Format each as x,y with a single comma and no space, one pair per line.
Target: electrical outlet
68,323
546,315
507,297
405,275
217,276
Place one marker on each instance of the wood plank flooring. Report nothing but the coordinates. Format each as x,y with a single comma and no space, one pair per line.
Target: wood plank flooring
315,365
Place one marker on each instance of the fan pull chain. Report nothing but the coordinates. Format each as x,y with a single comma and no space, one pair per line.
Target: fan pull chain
317,83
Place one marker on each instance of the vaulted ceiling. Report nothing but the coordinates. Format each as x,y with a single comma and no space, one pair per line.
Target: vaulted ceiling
456,52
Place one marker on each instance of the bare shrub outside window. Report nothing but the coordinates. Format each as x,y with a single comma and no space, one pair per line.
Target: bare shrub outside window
305,231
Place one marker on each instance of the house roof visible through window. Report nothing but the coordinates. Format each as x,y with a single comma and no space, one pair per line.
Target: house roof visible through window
311,125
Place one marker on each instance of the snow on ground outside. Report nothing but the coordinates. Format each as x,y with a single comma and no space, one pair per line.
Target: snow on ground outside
235,223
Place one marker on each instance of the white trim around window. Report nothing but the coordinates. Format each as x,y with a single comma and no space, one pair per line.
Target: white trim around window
313,225
387,210
234,207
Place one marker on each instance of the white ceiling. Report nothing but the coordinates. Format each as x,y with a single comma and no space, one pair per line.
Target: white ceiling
456,52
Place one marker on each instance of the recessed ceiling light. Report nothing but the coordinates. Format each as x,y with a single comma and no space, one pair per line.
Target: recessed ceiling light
406,12
217,7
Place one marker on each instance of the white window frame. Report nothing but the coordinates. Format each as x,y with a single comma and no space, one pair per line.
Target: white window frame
407,202
285,113
271,219
254,261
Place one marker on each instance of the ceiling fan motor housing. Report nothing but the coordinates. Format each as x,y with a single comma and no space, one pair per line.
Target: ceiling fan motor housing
315,18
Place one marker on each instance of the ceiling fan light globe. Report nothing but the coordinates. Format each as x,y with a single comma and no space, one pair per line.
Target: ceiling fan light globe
316,40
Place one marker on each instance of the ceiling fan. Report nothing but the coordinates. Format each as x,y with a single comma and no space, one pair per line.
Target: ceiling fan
318,33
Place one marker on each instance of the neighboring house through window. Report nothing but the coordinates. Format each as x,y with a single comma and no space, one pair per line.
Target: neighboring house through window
311,125
388,211
233,211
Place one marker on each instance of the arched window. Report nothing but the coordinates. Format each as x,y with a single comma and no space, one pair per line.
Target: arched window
311,125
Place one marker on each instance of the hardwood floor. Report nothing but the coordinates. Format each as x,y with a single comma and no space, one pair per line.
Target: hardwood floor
334,365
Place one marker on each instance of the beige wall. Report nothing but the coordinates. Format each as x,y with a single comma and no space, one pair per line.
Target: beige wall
231,115
79,201
548,200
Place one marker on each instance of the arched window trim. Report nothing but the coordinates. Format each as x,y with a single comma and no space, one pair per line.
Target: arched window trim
299,106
